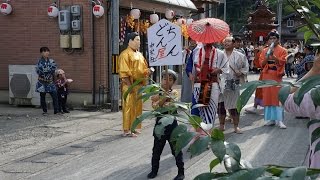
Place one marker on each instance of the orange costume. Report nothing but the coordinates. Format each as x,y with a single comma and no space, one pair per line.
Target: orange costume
258,94
272,71
132,65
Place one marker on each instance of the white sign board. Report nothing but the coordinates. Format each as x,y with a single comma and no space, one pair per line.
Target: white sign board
165,44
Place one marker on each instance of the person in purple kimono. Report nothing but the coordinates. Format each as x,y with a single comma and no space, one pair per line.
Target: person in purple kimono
45,69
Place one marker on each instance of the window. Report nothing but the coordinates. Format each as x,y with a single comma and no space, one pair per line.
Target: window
290,23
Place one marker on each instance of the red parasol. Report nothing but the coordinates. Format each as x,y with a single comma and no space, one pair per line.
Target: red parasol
208,30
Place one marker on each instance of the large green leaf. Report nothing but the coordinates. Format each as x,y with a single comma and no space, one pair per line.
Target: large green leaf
303,29
235,174
205,176
284,93
248,84
177,132
307,85
217,134
317,148
233,150
274,170
315,135
313,121
182,117
246,95
316,2
159,130
184,106
149,88
143,116
195,121
315,95
183,141
311,171
218,148
146,96
307,35
252,174
136,83
199,146
296,173
167,120
214,163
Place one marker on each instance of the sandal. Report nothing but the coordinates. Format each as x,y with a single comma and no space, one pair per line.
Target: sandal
238,131
137,132
133,135
126,134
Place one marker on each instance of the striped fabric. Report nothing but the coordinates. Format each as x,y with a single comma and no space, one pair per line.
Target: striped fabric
208,113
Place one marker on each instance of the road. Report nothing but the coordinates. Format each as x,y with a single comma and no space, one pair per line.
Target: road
88,145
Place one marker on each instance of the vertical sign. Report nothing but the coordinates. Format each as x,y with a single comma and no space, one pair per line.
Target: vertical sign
164,44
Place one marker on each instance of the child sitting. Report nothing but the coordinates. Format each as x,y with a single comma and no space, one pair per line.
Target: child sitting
161,101
62,90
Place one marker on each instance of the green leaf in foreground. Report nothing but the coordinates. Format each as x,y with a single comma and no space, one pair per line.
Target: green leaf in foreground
177,132
183,141
296,173
284,93
315,95
246,95
316,149
252,174
136,83
218,148
214,163
139,119
195,121
233,150
200,145
315,135
307,85
217,134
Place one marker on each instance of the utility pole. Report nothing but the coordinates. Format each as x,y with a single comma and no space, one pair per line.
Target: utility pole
225,11
280,18
113,56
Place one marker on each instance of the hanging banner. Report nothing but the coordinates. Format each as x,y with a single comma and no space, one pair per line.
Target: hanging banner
164,44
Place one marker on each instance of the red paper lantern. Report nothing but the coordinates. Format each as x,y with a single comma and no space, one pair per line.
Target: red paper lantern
53,11
98,10
5,8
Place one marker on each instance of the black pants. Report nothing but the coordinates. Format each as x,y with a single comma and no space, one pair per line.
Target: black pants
159,144
54,101
288,69
62,101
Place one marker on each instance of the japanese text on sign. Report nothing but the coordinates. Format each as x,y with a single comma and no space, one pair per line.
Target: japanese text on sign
164,44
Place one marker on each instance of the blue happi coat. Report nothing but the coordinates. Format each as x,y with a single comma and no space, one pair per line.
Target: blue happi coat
46,70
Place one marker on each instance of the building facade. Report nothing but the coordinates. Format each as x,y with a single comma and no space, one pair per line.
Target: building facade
83,51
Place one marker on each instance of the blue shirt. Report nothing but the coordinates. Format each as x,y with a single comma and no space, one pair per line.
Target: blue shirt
300,68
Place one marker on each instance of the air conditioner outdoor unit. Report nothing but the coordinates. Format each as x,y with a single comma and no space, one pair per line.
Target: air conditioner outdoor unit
22,84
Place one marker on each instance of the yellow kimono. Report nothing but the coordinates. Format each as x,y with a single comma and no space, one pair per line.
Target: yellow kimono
132,65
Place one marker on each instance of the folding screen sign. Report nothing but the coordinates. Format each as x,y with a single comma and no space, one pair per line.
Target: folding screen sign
164,44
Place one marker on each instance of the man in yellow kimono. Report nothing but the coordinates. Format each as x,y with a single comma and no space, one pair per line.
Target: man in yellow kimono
132,66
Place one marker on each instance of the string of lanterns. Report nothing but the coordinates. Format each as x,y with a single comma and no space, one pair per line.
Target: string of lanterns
132,21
